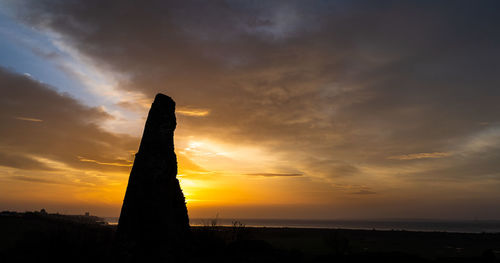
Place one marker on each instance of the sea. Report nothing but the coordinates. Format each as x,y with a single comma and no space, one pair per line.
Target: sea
427,225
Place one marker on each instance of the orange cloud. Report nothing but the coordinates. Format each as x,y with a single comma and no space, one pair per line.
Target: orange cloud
415,156
274,174
28,119
127,163
193,112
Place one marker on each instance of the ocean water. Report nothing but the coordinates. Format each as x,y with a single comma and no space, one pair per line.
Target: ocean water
463,226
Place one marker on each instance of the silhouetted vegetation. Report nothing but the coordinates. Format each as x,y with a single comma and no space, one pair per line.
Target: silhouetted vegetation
42,237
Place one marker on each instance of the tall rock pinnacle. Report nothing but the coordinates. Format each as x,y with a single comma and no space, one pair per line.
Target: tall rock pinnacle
154,214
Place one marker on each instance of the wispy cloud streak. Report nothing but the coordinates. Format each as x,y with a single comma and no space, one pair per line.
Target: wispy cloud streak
28,119
416,156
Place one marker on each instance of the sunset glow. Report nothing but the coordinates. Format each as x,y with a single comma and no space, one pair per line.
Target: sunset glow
285,109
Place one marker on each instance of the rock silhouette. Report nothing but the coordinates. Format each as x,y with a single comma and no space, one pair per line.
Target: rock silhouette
154,221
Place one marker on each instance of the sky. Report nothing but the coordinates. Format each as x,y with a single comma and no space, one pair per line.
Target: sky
286,109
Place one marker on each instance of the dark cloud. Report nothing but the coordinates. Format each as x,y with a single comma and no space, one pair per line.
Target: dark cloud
340,82
65,131
335,88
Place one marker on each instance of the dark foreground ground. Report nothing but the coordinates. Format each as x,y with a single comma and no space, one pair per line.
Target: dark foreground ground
37,237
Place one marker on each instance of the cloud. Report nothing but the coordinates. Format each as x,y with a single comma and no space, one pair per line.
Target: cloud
124,163
28,119
415,156
192,112
33,179
21,161
364,192
274,174
350,78
328,88
68,130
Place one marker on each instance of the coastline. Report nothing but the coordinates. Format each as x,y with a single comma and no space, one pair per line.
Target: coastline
417,225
